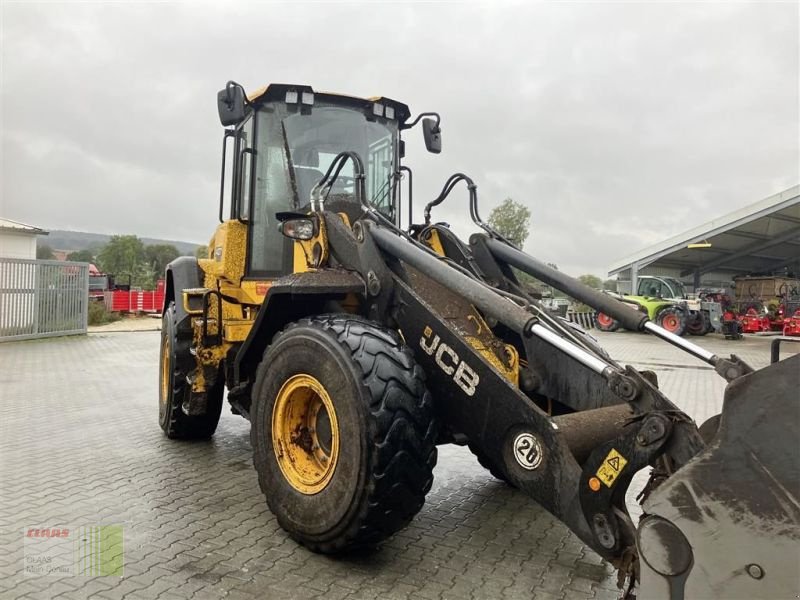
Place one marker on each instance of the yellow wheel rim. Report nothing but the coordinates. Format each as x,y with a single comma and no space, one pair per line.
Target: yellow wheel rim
305,434
165,369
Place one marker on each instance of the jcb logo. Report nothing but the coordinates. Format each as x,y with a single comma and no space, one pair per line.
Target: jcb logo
449,362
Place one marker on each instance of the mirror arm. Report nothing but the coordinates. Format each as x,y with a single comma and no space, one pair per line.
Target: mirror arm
229,94
419,117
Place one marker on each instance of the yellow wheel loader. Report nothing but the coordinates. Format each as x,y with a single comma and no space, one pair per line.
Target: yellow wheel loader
355,347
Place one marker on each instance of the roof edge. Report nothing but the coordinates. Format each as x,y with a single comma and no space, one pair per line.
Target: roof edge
751,212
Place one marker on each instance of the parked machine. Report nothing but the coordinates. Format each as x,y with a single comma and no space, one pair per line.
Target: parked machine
100,283
355,347
666,302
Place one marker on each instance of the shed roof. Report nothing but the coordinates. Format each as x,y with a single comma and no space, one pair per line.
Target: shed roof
17,227
761,237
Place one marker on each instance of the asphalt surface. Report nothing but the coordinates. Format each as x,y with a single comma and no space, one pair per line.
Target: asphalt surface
81,446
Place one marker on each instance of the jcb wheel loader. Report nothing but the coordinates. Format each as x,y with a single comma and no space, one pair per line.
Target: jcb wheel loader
355,347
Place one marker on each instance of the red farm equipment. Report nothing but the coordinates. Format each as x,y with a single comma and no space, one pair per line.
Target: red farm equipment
136,301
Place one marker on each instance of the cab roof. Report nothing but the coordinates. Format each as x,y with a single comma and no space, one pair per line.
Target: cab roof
277,91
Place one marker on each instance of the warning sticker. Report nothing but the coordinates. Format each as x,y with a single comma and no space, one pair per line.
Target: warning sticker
611,468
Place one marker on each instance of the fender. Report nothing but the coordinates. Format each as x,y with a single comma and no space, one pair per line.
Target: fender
182,273
291,298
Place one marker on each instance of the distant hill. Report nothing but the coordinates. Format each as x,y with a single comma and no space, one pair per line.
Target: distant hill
82,240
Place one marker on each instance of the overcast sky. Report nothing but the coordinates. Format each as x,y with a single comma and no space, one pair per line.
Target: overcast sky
617,124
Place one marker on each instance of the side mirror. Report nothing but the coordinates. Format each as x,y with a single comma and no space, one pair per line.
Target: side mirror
230,104
433,135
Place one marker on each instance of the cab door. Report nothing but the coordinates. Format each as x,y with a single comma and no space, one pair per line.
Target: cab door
266,190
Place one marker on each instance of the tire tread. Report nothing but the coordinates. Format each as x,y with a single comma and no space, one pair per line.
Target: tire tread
403,429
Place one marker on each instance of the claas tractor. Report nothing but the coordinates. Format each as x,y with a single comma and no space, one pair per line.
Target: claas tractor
666,302
355,347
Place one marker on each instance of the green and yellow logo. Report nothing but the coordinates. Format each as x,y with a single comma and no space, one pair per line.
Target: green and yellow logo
99,550
90,551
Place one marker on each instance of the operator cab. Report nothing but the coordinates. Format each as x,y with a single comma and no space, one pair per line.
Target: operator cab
661,287
283,153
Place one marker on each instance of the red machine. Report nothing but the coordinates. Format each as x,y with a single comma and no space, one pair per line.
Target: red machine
753,322
136,301
731,326
791,326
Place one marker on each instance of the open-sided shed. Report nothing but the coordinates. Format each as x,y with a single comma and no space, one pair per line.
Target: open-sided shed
761,238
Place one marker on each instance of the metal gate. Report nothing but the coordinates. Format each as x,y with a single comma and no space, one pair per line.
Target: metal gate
42,298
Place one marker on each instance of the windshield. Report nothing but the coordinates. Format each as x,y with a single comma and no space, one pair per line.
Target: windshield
292,150
677,287
314,140
98,282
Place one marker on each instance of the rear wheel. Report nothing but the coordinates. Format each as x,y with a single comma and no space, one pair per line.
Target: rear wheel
343,432
487,464
173,390
708,430
673,319
697,323
606,323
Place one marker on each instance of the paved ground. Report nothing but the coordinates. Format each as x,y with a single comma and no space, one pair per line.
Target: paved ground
80,446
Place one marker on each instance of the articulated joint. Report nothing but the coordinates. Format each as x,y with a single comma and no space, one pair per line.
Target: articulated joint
623,386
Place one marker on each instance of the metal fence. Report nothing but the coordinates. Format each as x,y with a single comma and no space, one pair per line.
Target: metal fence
584,319
42,298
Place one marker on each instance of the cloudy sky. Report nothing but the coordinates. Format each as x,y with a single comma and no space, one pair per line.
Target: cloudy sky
617,124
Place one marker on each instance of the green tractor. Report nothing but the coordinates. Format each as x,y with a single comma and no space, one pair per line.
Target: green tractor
665,301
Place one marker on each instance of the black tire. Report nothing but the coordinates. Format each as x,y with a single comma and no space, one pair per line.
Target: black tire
709,428
697,323
386,428
487,464
173,389
605,323
673,319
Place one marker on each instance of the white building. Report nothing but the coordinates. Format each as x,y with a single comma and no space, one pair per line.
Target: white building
18,240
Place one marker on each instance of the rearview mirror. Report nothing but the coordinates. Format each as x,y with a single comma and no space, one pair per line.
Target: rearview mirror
230,104
433,135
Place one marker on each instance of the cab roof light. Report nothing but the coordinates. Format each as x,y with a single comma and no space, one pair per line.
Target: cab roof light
308,98
377,109
291,97
390,112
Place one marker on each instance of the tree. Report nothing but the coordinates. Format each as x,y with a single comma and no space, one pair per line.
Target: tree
201,251
123,255
511,220
44,252
81,256
159,256
591,280
610,285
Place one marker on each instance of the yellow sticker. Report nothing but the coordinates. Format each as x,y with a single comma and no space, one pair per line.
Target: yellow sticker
611,468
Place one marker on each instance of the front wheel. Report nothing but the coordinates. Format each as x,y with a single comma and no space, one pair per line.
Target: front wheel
343,432
673,319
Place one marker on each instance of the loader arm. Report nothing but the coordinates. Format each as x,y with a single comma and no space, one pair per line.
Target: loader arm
578,464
